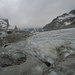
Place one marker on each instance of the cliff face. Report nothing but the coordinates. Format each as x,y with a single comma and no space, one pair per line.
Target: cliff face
66,20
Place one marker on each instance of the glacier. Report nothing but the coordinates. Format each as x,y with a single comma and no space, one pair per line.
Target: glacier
45,45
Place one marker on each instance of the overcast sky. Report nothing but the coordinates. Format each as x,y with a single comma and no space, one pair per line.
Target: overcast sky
33,13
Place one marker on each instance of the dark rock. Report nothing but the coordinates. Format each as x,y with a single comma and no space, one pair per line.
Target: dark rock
1,42
48,64
65,14
5,60
0,33
5,45
9,32
72,12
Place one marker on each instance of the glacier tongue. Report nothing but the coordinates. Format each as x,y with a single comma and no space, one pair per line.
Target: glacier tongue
47,46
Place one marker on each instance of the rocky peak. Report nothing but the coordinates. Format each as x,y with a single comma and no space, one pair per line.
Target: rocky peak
65,14
72,12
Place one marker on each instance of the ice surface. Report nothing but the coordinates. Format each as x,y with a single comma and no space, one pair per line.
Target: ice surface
45,45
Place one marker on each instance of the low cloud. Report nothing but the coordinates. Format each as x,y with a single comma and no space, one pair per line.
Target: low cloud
33,13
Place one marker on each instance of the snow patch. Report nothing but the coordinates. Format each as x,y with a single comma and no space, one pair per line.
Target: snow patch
67,23
67,16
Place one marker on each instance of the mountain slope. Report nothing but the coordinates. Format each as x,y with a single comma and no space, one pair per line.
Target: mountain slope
66,20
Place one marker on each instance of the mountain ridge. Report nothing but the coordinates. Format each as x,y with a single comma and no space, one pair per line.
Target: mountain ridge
66,20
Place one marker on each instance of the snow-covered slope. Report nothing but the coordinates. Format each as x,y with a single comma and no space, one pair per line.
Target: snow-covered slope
47,46
63,21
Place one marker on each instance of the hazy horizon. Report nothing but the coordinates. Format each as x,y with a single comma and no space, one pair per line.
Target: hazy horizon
33,13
